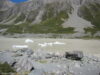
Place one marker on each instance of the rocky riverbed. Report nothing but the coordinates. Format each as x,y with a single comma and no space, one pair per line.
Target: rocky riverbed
41,62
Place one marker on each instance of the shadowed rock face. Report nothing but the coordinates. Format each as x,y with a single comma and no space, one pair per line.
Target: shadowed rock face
77,55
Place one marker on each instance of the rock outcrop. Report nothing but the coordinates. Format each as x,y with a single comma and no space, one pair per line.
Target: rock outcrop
47,63
77,55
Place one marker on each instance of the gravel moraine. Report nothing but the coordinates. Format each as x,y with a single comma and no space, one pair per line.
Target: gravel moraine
49,63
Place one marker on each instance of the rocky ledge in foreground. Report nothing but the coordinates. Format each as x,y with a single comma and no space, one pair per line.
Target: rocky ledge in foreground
40,62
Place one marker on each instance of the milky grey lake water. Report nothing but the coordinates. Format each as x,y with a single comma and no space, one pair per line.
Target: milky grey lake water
48,44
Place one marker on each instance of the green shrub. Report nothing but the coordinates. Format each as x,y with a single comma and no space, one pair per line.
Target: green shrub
6,68
2,26
91,30
92,14
21,28
51,25
20,18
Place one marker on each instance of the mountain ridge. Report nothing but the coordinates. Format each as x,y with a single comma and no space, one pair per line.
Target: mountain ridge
41,13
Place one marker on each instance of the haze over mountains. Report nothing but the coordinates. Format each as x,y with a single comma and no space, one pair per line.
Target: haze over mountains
51,16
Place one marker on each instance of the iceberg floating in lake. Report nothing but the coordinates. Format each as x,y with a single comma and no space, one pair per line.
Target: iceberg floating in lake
51,44
59,43
20,46
29,41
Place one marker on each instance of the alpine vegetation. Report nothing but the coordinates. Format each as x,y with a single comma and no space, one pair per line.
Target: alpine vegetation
75,18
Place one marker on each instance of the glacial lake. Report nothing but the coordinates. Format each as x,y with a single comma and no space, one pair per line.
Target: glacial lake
53,45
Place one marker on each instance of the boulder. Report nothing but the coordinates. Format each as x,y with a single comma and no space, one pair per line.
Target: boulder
24,64
13,64
6,56
75,55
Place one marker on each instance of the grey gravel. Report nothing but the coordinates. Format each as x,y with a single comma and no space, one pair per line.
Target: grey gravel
46,63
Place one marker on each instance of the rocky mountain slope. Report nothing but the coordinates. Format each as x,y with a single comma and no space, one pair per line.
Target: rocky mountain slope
74,17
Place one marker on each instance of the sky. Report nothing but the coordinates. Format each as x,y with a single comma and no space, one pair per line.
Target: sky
18,1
